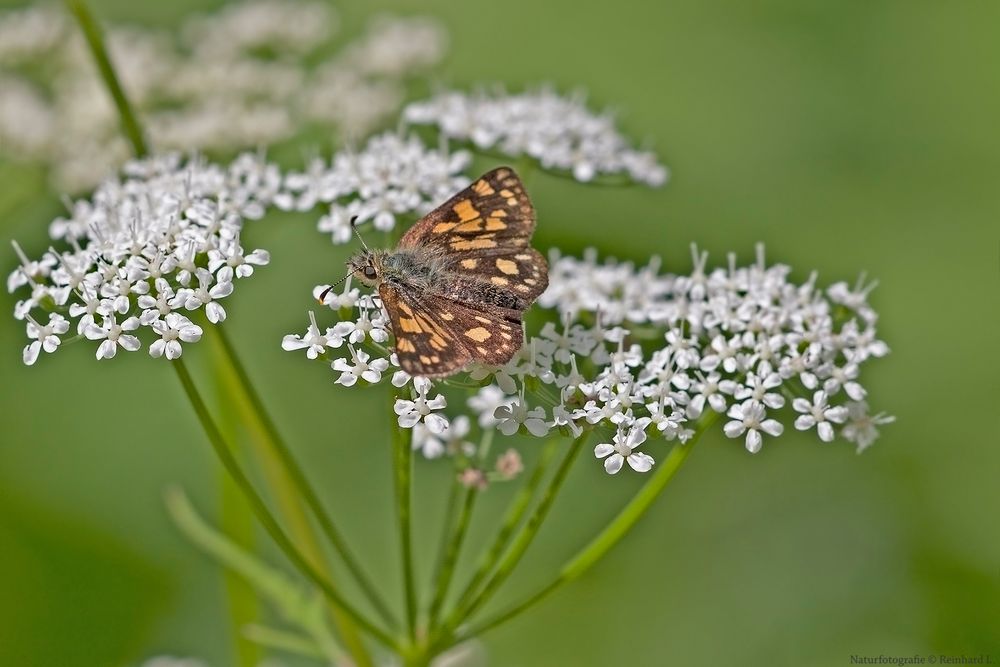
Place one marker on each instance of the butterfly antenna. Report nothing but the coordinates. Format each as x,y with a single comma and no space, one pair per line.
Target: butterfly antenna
324,293
354,228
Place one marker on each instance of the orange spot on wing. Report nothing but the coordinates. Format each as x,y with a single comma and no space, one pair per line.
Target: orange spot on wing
465,210
473,225
482,188
474,244
478,334
507,266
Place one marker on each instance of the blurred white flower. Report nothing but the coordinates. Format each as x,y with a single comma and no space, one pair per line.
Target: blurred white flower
862,427
511,417
558,131
250,73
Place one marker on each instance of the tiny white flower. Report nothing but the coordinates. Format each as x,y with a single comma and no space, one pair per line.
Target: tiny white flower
362,367
314,342
421,409
114,336
46,336
757,385
207,293
837,377
173,330
749,417
819,414
622,449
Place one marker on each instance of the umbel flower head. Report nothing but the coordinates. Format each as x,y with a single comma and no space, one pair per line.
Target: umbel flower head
147,250
558,131
645,356
392,175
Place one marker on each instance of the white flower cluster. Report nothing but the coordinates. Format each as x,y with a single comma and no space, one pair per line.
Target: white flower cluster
160,241
252,73
645,354
392,175
560,132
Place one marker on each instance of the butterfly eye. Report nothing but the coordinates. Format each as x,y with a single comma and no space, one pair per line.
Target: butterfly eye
370,273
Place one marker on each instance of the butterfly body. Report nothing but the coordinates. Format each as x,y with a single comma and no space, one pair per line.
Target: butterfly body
461,278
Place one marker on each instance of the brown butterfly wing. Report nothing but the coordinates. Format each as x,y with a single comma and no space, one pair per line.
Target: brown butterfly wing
436,336
494,213
424,344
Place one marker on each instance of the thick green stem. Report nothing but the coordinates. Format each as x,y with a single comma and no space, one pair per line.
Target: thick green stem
451,556
264,515
95,40
521,542
611,534
244,608
297,482
518,506
403,475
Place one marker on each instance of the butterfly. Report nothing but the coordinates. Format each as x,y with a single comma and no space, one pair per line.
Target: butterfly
458,283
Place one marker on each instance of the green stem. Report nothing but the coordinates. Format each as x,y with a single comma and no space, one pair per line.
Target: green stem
279,469
451,556
403,455
299,481
297,606
611,534
95,40
244,609
518,506
522,541
260,509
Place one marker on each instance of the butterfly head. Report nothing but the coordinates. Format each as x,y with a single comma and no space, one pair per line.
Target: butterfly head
367,266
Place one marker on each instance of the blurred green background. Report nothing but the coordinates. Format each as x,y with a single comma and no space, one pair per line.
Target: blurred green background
848,136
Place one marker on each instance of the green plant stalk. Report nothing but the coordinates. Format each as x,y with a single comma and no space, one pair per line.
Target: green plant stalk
264,515
289,642
460,528
298,606
403,477
278,465
237,522
95,41
612,533
447,526
244,608
520,543
294,480
518,506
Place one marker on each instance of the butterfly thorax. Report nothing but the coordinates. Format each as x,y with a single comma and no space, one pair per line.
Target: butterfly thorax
417,268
